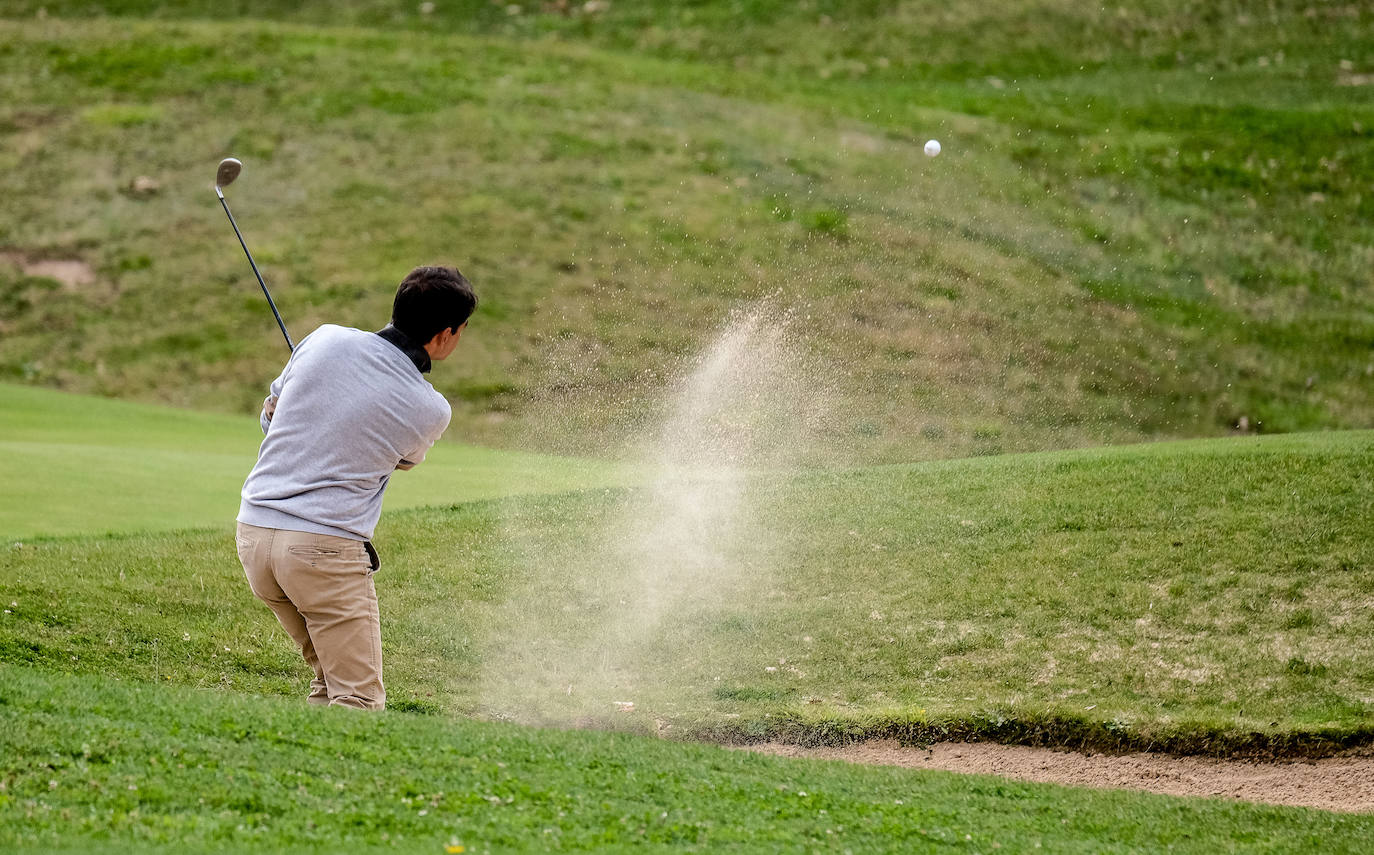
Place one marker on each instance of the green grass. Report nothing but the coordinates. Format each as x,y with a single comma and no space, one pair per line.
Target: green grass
96,763
1037,39
1147,222
79,464
1198,597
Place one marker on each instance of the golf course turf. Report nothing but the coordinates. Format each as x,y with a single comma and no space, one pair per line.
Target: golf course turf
1091,465
1201,596
1085,606
96,763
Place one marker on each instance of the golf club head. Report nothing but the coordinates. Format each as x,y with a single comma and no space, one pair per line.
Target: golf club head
228,170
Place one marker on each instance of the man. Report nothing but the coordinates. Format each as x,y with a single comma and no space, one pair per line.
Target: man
350,408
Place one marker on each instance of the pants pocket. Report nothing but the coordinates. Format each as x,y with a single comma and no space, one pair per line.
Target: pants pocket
313,551
331,555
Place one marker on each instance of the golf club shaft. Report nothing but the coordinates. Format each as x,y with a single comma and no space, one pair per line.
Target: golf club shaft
275,313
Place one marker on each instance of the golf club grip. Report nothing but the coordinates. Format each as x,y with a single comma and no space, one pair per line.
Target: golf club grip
254,265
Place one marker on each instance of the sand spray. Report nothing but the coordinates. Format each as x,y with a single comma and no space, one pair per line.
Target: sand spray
598,621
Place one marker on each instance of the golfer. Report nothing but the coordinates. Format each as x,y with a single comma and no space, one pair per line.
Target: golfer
350,408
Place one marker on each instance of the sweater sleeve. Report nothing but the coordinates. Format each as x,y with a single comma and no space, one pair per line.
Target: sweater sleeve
435,430
274,389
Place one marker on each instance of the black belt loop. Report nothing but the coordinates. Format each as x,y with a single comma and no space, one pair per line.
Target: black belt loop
372,556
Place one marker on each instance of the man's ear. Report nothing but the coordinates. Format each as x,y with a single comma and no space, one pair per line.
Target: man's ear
444,341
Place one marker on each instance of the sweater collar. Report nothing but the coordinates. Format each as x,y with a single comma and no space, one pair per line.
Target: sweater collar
407,345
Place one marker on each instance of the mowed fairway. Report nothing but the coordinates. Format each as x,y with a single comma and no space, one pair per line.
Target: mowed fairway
1204,596
93,764
76,464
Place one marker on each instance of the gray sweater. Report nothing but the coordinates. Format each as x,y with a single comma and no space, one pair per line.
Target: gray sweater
350,406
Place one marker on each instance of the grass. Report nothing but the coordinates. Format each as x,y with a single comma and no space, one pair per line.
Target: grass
102,763
1202,597
1149,222
80,464
1048,38
1145,224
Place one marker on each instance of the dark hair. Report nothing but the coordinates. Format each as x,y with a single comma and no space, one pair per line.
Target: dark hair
431,299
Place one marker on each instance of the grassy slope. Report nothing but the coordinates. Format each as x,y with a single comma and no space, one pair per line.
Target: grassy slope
78,464
1039,38
1139,229
158,769
1206,596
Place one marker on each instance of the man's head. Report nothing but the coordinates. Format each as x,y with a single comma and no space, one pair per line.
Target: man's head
433,302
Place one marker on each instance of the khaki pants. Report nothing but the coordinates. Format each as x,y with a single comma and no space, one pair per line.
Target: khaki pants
321,589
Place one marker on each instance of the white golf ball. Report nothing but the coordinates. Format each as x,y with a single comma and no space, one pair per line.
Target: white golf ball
932,148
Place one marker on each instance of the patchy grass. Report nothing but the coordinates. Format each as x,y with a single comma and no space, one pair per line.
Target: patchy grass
1207,597
106,764
1148,222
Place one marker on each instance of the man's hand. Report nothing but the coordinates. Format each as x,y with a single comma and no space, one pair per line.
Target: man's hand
269,406
405,464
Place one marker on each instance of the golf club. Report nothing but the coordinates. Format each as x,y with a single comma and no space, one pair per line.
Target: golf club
228,170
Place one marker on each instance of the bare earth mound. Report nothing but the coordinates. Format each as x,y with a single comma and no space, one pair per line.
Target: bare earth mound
1344,783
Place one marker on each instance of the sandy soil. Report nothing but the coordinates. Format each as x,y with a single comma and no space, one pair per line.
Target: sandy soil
1343,783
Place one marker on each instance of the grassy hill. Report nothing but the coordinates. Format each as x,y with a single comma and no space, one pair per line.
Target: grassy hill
1147,222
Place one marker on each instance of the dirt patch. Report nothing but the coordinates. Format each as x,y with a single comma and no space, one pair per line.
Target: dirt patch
73,274
1344,783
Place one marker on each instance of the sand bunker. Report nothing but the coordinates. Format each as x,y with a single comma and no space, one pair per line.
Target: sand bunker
1344,783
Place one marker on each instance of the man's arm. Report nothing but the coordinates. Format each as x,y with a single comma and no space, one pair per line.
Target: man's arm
405,464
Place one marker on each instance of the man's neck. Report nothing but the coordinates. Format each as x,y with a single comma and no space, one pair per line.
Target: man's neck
407,345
